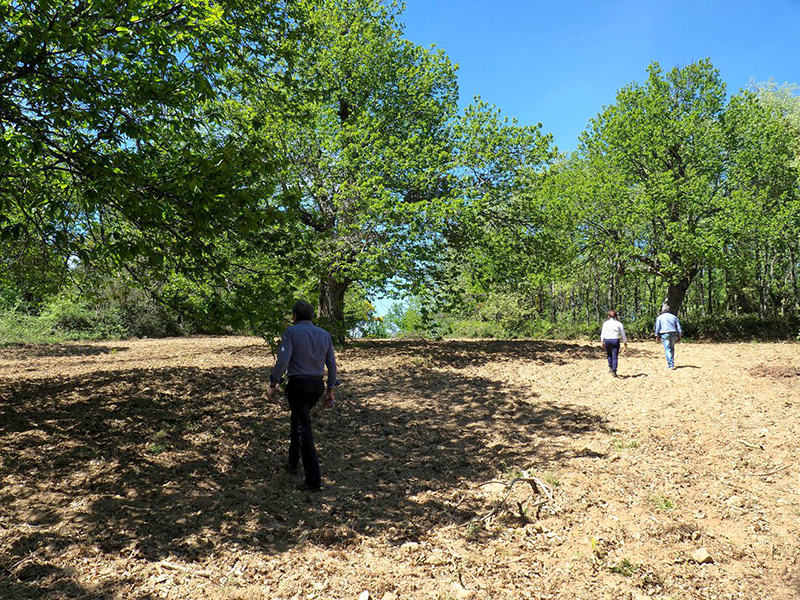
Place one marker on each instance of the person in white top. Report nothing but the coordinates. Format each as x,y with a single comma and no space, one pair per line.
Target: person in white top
610,337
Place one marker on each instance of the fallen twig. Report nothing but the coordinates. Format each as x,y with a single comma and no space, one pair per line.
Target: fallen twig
538,487
778,470
177,567
750,445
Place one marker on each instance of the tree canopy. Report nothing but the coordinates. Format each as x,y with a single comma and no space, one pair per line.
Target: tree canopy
224,158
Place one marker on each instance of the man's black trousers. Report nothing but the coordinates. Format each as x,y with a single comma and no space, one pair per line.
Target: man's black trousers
303,393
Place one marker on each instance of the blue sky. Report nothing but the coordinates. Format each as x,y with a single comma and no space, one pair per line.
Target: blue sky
559,63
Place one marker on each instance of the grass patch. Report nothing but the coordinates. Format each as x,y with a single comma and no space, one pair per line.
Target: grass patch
619,444
472,530
662,503
551,480
156,448
512,472
624,567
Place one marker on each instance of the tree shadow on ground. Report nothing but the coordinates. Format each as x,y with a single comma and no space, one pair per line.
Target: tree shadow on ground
57,350
475,353
158,464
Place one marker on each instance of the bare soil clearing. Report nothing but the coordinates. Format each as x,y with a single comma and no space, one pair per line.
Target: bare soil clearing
152,469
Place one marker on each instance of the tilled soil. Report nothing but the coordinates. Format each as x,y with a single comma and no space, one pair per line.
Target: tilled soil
152,469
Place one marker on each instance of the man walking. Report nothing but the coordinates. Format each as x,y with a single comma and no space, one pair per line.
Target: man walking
668,328
610,337
305,350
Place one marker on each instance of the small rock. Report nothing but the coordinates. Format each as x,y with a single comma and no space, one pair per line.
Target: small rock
364,595
701,556
410,547
436,558
460,592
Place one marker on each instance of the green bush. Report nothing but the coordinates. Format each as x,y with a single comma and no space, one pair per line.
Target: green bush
140,316
20,328
726,327
62,319
407,319
360,316
75,319
474,328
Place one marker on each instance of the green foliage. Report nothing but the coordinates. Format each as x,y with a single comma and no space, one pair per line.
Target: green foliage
472,530
141,316
620,444
78,316
405,319
552,479
507,316
673,194
652,182
62,319
77,320
367,141
624,567
728,327
662,503
118,155
198,166
499,245
22,328
361,318
156,448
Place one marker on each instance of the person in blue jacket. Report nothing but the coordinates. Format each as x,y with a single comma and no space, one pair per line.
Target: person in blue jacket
305,351
668,328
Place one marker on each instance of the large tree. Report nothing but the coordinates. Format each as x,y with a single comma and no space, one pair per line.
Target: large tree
366,137
115,149
762,215
653,164
498,243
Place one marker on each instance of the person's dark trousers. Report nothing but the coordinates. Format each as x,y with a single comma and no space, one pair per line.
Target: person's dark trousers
612,352
303,393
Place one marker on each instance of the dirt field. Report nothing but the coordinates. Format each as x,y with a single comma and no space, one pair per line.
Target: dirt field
152,469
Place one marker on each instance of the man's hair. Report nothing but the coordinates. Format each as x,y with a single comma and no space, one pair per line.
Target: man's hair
665,307
612,314
303,311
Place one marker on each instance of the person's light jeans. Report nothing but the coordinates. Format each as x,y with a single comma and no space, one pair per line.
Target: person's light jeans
668,341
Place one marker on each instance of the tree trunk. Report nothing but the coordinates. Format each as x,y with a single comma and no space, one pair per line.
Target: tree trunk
793,278
710,307
676,292
760,277
331,306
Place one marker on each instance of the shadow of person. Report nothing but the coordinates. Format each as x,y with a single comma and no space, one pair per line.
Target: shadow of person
636,376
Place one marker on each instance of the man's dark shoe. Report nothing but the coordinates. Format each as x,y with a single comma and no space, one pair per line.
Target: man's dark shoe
309,487
290,468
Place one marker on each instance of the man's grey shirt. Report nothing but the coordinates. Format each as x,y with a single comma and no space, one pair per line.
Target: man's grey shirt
667,323
305,350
